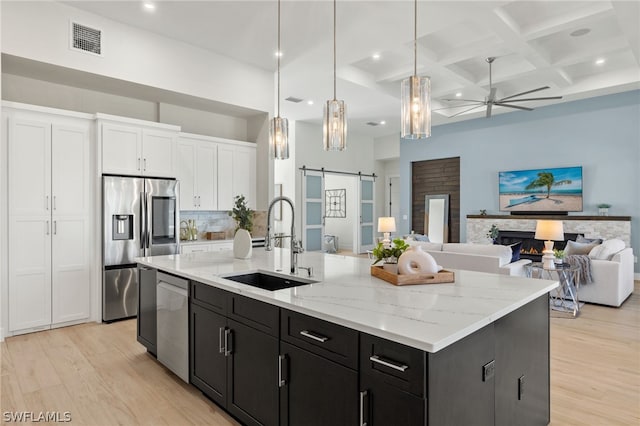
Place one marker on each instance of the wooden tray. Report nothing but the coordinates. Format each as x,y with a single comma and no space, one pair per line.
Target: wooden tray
410,279
215,235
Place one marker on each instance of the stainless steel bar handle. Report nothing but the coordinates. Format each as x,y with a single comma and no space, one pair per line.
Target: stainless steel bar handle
281,381
147,222
47,228
227,338
46,202
221,348
317,338
378,360
363,395
145,165
142,219
54,202
195,201
55,227
138,168
198,201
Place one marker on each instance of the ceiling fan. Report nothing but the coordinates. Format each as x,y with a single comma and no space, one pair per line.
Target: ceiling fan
491,100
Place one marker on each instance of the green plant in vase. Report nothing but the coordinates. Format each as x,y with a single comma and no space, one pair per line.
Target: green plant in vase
391,253
242,214
493,233
559,254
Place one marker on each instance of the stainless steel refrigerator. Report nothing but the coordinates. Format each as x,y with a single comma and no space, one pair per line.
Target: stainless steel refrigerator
140,218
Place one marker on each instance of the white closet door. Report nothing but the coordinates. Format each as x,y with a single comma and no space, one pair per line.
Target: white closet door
70,170
29,164
29,273
365,232
207,176
70,283
312,210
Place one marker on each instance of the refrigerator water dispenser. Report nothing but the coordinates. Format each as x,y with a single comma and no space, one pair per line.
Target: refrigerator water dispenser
122,227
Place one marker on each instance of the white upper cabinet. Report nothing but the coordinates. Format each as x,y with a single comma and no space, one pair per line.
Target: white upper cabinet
137,148
236,174
197,172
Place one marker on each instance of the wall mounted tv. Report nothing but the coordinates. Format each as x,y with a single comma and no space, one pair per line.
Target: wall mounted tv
552,190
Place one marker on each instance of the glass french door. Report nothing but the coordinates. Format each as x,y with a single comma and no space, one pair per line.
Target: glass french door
312,210
366,203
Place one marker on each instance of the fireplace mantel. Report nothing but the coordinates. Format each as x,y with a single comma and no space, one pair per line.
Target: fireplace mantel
606,227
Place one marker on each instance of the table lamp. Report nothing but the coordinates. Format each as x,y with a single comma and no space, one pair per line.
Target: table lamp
549,230
386,225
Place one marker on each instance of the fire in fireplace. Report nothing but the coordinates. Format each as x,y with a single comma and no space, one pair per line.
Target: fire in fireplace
531,248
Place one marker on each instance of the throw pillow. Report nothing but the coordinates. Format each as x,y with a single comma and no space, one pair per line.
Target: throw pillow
582,239
573,247
515,251
607,249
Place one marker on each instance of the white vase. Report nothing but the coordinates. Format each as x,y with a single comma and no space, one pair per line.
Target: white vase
242,248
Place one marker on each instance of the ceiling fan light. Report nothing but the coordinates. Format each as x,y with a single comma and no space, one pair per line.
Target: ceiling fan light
415,95
334,128
279,137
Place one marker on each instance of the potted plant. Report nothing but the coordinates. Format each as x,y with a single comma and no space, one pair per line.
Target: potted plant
493,233
559,254
389,254
243,215
603,209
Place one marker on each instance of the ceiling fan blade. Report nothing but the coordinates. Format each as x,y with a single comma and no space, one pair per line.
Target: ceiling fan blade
465,100
525,93
466,110
459,106
532,99
489,108
513,106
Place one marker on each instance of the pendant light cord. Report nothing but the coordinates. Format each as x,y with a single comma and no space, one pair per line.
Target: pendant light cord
415,38
278,55
334,50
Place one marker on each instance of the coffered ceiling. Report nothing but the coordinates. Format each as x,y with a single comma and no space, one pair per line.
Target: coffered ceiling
536,43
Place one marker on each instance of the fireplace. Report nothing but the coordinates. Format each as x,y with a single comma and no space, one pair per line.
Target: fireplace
531,248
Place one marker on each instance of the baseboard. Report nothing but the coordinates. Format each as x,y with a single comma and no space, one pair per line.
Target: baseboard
636,277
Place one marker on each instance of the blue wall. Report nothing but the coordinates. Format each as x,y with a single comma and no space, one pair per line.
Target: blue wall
600,134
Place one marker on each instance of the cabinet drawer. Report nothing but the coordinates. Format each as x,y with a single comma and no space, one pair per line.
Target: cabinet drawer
254,313
332,341
395,364
211,297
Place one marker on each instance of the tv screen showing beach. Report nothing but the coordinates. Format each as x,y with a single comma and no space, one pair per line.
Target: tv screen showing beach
541,190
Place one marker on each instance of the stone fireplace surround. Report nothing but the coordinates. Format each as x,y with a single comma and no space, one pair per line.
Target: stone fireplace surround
531,248
522,227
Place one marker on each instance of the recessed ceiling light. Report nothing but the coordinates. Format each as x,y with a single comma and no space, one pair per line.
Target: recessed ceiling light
309,102
376,56
580,32
600,61
383,122
458,94
278,53
149,6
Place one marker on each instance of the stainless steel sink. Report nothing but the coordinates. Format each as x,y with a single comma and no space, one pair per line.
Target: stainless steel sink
267,281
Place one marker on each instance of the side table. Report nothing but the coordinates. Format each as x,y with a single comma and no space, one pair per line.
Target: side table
565,297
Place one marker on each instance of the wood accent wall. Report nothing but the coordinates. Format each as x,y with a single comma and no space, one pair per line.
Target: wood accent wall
436,177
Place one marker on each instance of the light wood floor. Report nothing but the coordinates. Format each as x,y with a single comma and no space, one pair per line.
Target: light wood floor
102,376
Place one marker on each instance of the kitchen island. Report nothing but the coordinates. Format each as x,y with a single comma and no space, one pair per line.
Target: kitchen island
351,347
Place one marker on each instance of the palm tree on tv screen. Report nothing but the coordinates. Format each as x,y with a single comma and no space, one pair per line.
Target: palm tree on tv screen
547,179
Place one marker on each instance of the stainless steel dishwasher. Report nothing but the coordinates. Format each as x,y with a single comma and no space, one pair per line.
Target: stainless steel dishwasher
173,324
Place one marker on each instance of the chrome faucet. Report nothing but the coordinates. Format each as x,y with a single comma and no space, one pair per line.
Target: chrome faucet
296,246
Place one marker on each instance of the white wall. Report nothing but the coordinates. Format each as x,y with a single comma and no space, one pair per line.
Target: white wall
387,147
343,228
40,31
203,122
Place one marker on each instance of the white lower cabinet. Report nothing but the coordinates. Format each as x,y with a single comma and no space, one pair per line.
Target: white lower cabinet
49,209
205,247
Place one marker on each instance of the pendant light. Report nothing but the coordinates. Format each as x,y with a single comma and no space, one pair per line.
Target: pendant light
416,96
334,129
279,127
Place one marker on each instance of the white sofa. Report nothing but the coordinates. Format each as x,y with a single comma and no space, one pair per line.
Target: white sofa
474,257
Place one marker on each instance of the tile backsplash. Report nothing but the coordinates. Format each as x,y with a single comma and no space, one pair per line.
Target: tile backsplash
220,221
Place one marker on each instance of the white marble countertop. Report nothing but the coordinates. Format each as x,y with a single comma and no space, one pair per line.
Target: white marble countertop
428,317
197,242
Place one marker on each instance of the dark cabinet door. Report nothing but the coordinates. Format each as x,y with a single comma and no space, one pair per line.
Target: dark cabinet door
208,361
147,324
252,379
522,365
382,404
316,391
